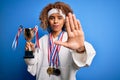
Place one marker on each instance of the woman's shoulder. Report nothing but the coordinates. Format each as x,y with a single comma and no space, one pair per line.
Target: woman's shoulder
43,38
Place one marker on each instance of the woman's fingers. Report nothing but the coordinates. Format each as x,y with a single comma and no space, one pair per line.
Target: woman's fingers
67,24
61,43
71,22
29,46
75,22
75,33
79,25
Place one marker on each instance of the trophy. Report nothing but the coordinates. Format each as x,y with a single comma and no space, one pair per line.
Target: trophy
29,33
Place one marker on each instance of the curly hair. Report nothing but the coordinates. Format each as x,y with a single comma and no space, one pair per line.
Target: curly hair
65,8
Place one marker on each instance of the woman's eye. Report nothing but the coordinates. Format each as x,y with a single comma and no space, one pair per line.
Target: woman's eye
51,18
60,17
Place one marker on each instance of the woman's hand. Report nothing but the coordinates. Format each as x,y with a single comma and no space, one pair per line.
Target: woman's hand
29,46
75,34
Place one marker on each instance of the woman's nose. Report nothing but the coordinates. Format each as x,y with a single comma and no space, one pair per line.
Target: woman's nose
56,20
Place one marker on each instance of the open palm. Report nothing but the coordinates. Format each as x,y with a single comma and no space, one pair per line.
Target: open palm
75,33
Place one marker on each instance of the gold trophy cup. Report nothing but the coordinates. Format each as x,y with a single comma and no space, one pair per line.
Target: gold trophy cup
29,34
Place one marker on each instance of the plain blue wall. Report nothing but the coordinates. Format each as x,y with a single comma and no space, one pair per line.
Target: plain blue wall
100,20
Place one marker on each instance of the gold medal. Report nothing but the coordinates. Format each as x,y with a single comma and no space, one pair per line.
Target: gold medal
50,70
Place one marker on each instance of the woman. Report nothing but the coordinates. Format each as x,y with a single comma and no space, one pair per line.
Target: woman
63,51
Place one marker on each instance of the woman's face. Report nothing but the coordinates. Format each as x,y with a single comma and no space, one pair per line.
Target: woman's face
56,22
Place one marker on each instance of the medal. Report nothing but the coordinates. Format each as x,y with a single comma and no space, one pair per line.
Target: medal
57,72
53,55
50,70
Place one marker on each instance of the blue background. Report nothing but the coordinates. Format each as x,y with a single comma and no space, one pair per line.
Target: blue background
100,20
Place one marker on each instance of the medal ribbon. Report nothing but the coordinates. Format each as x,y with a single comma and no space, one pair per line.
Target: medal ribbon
37,38
53,50
15,42
55,58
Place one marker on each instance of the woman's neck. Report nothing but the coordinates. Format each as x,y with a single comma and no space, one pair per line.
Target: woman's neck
55,33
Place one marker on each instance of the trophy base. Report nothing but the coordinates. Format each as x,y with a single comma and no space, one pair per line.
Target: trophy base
29,54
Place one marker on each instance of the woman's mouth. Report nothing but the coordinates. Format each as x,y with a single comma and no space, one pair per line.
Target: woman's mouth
55,25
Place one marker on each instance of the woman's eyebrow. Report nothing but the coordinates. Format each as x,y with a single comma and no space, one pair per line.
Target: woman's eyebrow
60,16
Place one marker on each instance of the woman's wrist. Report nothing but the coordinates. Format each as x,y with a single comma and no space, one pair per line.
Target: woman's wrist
81,49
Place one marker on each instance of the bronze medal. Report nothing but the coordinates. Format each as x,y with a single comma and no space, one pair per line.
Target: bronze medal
50,70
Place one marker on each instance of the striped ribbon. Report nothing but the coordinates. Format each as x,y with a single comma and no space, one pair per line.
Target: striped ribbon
20,30
53,51
15,41
37,37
